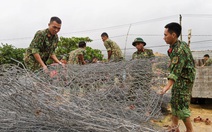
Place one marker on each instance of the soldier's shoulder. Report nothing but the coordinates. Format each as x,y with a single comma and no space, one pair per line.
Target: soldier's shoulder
81,49
135,52
73,51
107,40
149,50
185,47
41,32
183,42
182,46
110,41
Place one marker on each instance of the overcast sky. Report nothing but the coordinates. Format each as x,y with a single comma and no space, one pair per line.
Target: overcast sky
20,19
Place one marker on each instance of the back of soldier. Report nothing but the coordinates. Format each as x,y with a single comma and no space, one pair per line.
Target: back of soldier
73,56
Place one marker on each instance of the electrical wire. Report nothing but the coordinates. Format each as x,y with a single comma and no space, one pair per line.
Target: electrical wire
110,27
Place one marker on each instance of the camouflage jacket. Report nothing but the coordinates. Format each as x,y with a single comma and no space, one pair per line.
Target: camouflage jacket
147,53
73,56
182,63
116,51
208,62
44,44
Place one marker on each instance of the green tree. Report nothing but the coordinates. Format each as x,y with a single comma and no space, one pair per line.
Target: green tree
8,51
66,45
93,53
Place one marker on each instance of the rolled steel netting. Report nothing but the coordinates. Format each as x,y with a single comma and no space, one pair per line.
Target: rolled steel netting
100,97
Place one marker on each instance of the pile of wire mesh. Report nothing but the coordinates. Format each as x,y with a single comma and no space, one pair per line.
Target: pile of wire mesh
100,97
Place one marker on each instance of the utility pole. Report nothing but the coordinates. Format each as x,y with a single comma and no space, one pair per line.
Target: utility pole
181,26
189,37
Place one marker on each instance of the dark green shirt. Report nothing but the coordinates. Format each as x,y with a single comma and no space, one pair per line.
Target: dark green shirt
73,56
182,63
147,53
44,44
116,51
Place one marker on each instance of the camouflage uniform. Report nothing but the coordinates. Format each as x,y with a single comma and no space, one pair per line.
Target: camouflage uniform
116,51
141,80
147,53
73,56
44,44
208,62
182,71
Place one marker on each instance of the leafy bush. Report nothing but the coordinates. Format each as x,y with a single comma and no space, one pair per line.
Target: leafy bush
66,45
8,51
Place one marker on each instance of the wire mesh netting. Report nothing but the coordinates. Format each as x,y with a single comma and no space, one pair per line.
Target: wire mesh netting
100,97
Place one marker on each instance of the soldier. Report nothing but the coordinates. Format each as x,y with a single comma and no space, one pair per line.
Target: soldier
77,56
207,60
182,75
43,46
113,50
141,51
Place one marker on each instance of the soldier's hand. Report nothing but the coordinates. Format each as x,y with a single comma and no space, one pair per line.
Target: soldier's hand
45,69
62,64
162,92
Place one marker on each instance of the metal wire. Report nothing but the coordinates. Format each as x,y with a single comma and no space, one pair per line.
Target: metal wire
100,97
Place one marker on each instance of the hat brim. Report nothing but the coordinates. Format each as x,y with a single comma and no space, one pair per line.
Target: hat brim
138,42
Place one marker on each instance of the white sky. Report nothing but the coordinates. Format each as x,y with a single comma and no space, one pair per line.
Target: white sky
20,19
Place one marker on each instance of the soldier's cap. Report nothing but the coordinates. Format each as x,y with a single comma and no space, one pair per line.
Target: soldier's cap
138,40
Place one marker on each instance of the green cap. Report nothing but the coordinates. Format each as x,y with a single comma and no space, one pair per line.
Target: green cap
138,40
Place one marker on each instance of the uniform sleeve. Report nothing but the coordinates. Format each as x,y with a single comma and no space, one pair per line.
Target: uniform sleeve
107,45
133,56
82,52
55,43
37,42
151,53
177,64
208,62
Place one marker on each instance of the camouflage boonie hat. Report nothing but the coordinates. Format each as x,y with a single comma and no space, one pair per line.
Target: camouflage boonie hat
138,40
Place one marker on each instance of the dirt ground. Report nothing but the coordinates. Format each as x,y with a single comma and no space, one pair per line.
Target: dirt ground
204,111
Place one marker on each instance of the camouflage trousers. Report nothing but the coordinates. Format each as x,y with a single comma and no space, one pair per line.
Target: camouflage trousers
180,99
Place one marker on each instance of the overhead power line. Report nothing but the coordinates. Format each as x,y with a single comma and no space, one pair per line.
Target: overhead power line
127,25
166,45
110,27
158,46
198,15
124,35
155,35
202,41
